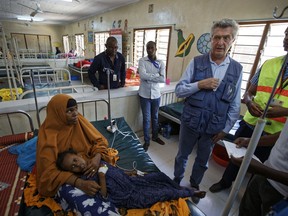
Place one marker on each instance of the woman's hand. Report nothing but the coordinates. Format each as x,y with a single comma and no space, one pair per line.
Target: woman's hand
89,187
242,142
93,166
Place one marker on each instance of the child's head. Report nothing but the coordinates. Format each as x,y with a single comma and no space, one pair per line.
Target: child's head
70,161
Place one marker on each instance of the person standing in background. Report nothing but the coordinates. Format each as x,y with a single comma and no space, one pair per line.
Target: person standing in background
110,60
152,72
58,51
211,85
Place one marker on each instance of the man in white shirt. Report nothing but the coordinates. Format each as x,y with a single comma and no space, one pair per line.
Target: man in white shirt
152,72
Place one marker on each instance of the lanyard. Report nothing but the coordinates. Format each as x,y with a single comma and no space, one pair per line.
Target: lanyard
156,64
285,70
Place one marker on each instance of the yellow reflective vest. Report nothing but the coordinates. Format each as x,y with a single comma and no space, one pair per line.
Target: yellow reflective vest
267,78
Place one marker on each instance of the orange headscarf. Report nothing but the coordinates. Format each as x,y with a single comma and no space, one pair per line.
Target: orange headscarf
55,136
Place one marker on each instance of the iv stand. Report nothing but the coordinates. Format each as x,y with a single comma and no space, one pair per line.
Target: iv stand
112,127
252,146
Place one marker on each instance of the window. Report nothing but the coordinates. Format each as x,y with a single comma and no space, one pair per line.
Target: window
99,41
160,35
255,43
32,43
79,42
66,43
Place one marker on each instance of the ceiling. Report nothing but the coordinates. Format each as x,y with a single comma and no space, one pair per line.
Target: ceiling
57,11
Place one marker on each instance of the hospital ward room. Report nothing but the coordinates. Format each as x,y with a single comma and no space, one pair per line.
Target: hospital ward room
143,108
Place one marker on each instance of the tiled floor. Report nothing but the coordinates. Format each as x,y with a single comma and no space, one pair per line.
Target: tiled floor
214,203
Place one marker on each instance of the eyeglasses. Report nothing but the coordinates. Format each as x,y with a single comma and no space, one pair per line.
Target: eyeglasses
226,38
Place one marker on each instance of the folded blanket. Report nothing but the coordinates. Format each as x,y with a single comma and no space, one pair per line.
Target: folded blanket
26,154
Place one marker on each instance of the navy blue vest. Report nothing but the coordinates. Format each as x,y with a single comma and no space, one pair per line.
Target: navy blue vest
206,110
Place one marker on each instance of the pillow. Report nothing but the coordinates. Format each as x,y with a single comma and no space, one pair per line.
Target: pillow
79,64
15,138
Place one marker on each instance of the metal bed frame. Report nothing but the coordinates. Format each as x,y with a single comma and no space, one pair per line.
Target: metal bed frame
60,90
90,109
169,97
80,70
44,75
12,127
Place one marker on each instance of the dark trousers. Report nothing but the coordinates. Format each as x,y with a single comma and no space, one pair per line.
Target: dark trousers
259,196
150,108
262,152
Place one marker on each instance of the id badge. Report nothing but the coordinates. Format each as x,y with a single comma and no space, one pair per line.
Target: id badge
276,102
114,77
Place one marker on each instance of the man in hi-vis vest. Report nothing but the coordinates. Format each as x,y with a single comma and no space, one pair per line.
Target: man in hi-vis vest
256,99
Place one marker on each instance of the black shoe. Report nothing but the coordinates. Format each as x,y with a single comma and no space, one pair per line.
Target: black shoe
195,187
146,146
159,141
218,187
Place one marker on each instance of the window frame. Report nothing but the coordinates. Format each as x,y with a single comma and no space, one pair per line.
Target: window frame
37,48
80,51
95,42
157,42
66,43
262,45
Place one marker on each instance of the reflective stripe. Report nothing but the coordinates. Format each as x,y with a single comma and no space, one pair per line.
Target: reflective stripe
268,89
280,119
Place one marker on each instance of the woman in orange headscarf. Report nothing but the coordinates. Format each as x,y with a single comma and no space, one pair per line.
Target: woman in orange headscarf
65,128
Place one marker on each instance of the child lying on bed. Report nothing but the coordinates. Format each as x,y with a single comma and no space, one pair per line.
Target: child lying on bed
127,190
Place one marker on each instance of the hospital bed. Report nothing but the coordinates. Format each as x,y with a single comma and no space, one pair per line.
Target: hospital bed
131,152
49,81
171,107
43,75
3,72
16,127
83,69
32,54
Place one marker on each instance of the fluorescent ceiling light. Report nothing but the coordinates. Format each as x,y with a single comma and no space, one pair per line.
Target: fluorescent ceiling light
28,18
67,0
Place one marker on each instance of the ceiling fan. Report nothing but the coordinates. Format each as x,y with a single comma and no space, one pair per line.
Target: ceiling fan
36,10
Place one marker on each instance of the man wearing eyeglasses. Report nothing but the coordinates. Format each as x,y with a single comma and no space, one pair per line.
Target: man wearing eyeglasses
110,61
211,86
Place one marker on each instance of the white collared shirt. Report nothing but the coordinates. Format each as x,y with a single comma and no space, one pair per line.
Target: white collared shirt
150,77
